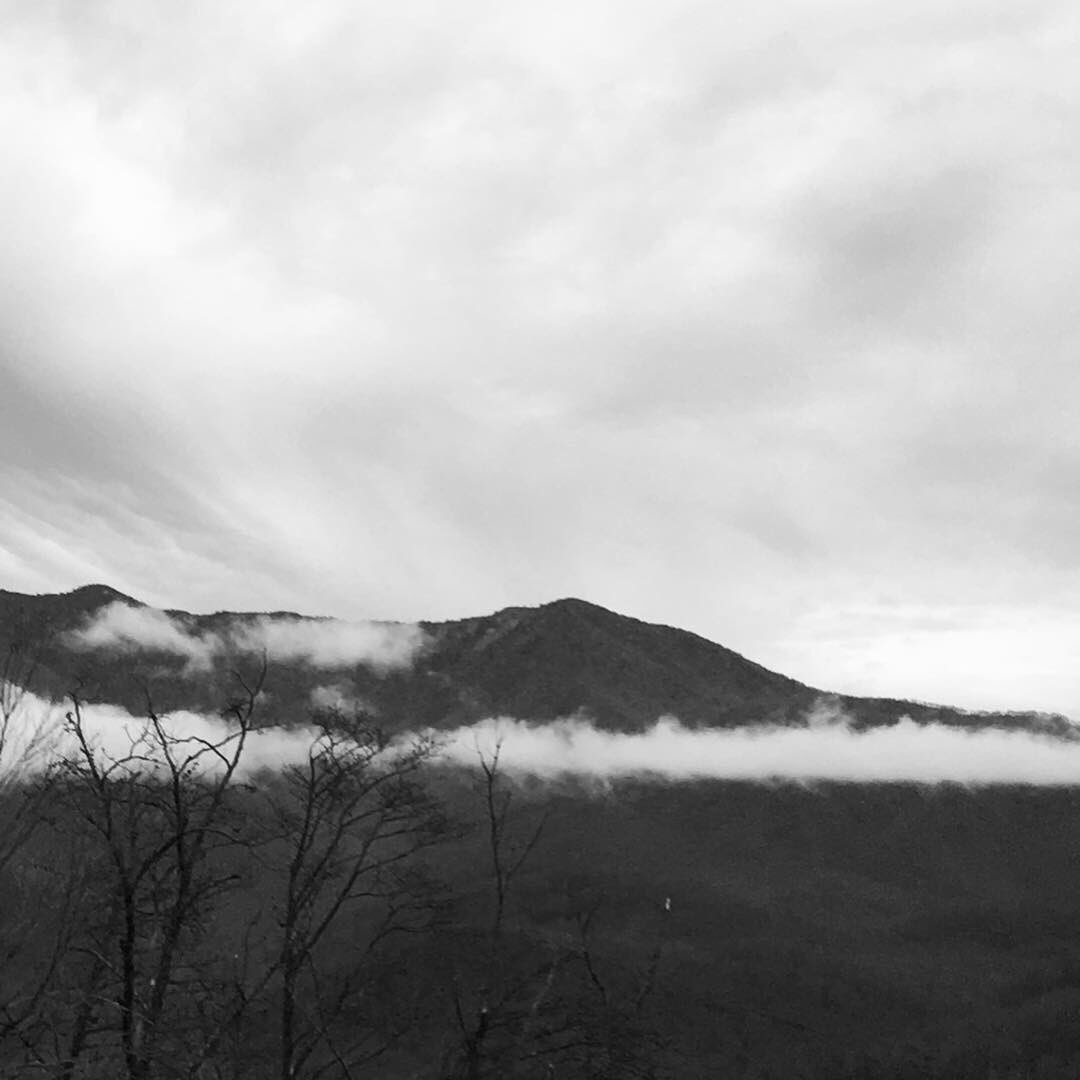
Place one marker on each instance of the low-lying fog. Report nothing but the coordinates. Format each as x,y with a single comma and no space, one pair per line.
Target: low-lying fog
827,748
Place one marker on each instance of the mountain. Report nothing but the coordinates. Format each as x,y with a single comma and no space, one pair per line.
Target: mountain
706,927
541,663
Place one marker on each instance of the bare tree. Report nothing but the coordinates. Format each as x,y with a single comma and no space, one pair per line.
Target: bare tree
27,736
546,1001
610,1036
336,844
36,898
351,819
491,1016
154,816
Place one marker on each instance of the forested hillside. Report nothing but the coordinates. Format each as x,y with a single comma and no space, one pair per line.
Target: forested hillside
371,911
541,663
177,903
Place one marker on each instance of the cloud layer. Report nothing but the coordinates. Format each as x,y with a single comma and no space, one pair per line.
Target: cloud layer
734,321
905,752
326,643
828,749
39,737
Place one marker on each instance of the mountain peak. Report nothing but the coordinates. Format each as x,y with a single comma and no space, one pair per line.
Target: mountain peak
572,605
534,663
97,595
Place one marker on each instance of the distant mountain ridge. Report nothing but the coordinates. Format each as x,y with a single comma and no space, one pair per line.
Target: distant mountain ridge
563,658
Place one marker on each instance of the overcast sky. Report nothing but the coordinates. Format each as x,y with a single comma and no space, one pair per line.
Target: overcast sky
758,320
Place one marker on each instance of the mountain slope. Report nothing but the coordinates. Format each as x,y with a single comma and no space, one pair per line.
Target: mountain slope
541,663
570,655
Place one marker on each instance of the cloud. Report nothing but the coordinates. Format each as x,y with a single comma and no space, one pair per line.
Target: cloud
325,643
827,749
822,751
30,732
133,629
716,321
330,643
39,736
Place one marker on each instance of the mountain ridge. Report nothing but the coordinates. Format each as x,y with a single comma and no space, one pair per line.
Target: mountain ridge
565,657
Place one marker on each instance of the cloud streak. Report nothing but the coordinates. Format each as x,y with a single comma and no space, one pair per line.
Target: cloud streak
323,643
827,749
822,751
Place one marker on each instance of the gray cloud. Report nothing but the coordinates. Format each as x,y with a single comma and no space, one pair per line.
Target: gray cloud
733,323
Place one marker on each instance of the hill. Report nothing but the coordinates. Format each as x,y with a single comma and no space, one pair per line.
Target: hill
559,659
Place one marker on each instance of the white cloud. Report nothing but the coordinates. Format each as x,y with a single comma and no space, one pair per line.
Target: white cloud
905,752
131,629
115,733
30,730
330,643
325,643
827,749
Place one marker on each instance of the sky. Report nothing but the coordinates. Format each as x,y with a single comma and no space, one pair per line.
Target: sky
752,320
